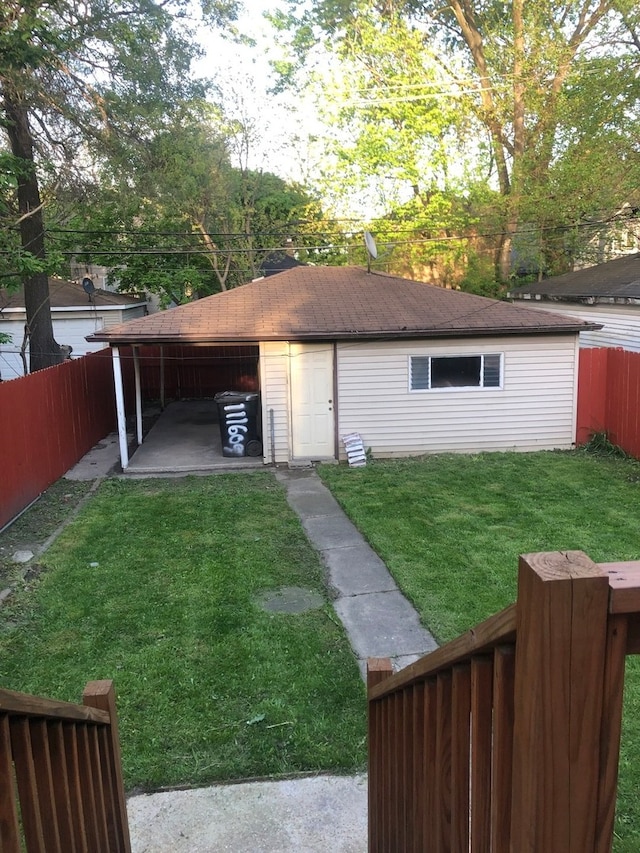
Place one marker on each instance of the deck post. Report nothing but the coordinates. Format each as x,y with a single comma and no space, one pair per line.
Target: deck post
101,694
561,651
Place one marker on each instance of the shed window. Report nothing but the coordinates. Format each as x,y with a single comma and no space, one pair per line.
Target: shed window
458,371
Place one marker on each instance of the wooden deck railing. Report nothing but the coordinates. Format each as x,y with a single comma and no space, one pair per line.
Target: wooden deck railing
61,787
507,739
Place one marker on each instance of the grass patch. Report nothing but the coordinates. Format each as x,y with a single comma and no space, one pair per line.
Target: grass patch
155,585
450,529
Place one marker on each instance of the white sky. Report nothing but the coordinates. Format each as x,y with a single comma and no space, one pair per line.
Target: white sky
289,139
243,73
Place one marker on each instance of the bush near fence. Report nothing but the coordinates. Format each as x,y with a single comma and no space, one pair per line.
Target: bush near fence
609,397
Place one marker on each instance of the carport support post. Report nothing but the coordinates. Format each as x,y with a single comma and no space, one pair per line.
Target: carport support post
122,420
136,370
162,378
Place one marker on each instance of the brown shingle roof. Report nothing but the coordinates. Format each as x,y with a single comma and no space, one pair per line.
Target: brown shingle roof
333,303
617,280
67,294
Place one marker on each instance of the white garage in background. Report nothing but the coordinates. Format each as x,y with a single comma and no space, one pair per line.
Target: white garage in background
75,315
410,367
607,294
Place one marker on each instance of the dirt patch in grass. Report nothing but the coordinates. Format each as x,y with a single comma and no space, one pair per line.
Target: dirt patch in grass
33,528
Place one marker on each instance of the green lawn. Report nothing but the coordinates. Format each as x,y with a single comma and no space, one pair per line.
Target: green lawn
451,527
156,585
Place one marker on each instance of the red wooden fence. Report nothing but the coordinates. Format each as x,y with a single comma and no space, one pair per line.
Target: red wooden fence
609,397
198,371
48,421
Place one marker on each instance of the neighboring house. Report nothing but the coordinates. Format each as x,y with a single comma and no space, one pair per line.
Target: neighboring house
277,262
98,274
607,294
74,313
411,367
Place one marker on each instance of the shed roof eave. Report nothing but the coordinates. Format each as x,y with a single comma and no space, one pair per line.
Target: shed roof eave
576,299
383,334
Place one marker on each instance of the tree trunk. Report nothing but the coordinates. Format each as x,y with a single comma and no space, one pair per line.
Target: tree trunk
503,255
43,349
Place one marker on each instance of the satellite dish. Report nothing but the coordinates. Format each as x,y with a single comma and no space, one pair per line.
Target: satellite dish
370,243
372,249
87,285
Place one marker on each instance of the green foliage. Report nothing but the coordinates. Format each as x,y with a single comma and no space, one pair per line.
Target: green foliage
537,99
600,443
179,220
80,85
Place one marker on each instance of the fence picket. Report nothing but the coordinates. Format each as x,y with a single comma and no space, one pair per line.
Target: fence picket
27,785
443,763
460,749
502,752
9,827
481,744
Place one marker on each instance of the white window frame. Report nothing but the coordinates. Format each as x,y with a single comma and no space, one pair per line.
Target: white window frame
449,389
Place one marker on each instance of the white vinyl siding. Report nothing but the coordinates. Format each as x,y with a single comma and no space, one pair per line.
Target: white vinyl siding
621,323
274,387
534,409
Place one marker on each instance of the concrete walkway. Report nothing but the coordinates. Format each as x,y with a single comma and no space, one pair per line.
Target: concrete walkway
378,619
308,815
320,814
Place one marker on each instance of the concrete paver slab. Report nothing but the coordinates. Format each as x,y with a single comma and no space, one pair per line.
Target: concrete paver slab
383,624
98,462
312,815
357,569
312,504
334,531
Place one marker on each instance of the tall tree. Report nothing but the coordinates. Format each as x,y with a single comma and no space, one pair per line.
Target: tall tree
76,78
179,220
524,79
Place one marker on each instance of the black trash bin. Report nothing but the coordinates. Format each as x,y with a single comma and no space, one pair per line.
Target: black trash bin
238,416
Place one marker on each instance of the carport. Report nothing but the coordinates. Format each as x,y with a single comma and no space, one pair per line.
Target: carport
186,439
182,379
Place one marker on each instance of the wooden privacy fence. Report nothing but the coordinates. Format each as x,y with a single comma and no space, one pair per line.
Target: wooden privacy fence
61,787
507,739
174,372
609,397
49,420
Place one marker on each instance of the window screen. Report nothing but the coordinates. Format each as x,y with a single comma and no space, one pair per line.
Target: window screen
459,371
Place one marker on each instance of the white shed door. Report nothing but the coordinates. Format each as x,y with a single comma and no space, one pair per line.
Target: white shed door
312,419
